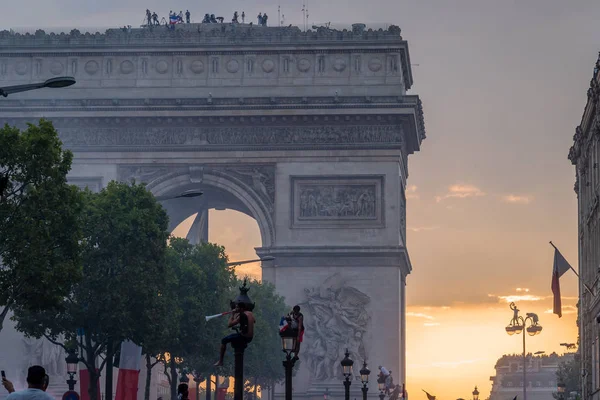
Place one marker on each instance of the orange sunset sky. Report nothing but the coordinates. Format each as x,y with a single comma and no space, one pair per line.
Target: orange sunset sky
503,83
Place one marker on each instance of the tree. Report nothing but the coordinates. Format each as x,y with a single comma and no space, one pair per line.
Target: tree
123,254
262,359
39,230
199,283
569,373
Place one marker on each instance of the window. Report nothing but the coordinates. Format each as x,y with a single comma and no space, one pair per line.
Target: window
321,62
250,66
215,65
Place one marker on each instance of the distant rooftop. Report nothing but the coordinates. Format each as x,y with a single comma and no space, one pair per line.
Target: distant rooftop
205,33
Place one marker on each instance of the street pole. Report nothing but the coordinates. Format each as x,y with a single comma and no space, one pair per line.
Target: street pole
347,387
288,364
365,389
524,367
239,348
381,395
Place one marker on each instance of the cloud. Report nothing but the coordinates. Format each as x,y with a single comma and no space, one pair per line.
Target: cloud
419,315
513,298
516,199
411,192
526,290
452,364
431,324
423,228
461,191
565,310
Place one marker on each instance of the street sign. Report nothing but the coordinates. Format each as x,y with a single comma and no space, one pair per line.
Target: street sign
70,395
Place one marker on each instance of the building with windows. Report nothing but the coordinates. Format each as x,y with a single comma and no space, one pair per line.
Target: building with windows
584,156
541,376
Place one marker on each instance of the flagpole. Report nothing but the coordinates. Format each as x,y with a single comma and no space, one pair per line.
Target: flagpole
575,272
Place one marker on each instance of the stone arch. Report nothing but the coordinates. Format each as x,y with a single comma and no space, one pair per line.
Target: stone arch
250,201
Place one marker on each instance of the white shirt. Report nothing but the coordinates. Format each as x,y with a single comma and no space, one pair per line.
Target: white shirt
29,394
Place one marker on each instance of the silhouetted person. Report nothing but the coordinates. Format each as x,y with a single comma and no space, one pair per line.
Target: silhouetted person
187,16
235,18
182,392
149,17
264,19
260,19
296,320
243,318
243,17
37,382
155,18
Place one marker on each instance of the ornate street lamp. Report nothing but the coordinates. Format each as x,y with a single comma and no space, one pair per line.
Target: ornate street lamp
240,346
364,378
517,325
475,394
381,387
53,83
72,362
347,371
288,344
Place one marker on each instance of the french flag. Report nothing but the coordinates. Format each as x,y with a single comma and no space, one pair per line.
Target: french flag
129,371
283,325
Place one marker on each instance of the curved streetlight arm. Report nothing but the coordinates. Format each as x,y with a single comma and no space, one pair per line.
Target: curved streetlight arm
50,83
5,91
267,258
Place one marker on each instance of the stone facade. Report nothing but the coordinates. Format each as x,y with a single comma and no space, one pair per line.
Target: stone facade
307,132
585,155
541,376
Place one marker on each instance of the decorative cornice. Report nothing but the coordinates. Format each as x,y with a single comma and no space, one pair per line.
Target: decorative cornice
195,34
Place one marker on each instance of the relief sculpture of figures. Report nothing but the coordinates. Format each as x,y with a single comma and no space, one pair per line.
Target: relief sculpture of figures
44,353
337,318
355,201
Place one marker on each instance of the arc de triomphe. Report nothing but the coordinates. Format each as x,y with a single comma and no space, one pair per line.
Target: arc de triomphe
307,132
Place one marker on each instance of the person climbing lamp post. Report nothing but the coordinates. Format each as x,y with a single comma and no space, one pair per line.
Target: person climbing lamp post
347,371
517,325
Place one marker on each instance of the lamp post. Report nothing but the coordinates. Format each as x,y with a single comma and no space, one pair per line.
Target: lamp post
240,346
347,371
53,83
364,378
72,361
475,394
517,325
288,344
381,387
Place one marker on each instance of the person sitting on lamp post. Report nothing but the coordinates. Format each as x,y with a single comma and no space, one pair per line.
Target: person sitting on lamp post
243,318
296,321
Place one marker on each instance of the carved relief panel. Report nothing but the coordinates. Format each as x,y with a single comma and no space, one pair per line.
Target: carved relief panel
338,318
337,201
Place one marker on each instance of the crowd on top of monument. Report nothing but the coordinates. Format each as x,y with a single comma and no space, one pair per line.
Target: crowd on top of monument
178,18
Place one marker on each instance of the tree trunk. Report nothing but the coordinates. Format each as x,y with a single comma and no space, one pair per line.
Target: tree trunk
148,377
208,381
198,390
108,384
255,389
174,380
3,315
92,370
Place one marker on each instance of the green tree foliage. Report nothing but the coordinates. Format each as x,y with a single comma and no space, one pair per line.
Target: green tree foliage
39,211
199,283
123,255
569,373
